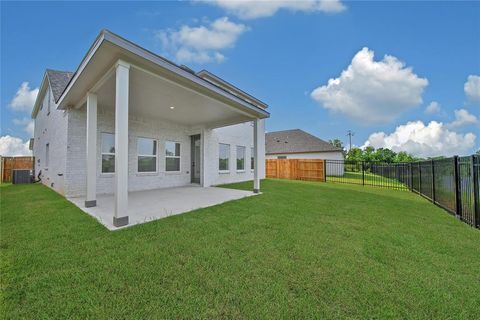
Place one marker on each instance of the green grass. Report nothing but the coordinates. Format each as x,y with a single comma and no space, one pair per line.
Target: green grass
299,250
370,180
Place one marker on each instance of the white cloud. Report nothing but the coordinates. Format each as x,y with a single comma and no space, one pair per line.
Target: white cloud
463,118
433,107
372,91
24,98
27,123
472,88
251,9
203,43
434,139
13,146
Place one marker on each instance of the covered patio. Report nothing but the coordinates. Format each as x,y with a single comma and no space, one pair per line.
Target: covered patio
120,78
149,205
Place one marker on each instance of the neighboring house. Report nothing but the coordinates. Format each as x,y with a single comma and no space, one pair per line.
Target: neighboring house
298,144
130,120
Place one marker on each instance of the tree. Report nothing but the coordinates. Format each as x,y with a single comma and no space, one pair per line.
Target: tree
355,154
403,156
384,155
336,143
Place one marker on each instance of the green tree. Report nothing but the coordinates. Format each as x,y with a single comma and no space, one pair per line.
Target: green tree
336,143
384,155
355,154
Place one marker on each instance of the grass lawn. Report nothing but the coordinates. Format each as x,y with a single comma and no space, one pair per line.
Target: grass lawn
370,180
299,250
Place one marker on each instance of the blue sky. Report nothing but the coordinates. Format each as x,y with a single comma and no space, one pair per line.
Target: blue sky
284,54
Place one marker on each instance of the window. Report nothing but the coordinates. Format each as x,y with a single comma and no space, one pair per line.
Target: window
47,155
147,155
240,158
223,157
108,153
252,158
172,156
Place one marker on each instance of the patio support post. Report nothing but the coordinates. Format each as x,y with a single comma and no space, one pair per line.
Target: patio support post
120,217
91,199
256,156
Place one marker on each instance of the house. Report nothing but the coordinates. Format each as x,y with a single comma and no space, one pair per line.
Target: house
298,144
128,120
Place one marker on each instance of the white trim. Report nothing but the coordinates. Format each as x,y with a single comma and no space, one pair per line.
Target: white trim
106,153
229,156
148,155
244,157
179,157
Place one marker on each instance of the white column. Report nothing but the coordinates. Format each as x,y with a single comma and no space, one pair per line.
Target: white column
91,199
204,135
121,144
256,155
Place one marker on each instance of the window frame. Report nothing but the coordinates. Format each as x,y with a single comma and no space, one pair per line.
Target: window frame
228,158
244,158
107,154
175,157
148,155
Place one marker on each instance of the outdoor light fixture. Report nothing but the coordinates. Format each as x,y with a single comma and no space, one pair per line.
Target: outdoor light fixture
171,108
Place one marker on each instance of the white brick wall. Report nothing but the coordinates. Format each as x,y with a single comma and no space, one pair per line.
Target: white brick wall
236,135
75,178
51,128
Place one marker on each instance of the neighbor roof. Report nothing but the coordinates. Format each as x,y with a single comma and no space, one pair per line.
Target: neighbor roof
295,141
58,81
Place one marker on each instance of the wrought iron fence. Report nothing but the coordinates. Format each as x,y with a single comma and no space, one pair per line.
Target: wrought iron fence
451,183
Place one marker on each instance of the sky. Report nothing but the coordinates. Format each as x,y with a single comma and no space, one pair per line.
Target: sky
401,75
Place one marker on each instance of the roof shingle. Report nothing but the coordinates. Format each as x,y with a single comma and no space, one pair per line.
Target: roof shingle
58,81
295,141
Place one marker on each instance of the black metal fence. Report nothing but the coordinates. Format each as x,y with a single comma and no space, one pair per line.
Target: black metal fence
451,183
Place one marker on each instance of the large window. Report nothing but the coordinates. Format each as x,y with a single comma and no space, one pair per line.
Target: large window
147,155
240,158
252,158
172,156
223,156
108,152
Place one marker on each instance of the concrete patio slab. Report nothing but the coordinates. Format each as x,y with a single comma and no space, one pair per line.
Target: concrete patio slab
148,205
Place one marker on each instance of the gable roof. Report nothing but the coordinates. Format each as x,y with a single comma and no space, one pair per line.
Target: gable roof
58,81
62,81
295,141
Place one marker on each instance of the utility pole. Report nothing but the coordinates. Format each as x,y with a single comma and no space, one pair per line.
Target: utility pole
350,134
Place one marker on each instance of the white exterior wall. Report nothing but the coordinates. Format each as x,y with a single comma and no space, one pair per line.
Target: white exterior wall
236,135
333,169
51,128
75,179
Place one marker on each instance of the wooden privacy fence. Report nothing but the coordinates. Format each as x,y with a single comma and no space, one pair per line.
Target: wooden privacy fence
8,164
296,169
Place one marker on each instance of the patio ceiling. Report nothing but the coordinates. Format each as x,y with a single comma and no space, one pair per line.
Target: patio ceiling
155,97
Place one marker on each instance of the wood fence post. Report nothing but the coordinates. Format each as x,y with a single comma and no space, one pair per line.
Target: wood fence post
458,200
475,178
